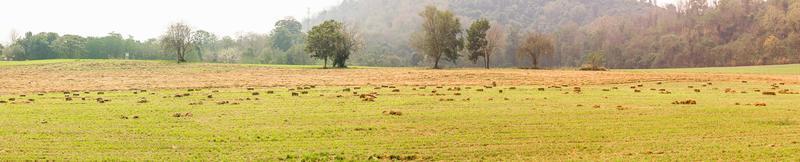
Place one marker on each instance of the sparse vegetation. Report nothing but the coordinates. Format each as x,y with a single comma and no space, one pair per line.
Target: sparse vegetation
259,96
387,111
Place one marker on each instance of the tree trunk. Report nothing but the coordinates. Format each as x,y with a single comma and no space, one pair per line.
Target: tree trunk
534,62
325,64
180,55
487,60
199,54
436,63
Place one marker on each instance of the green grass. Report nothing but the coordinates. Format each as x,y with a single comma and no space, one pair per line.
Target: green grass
791,69
74,61
531,125
36,62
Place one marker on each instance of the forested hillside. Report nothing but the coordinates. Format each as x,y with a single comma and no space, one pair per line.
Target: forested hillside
614,33
630,33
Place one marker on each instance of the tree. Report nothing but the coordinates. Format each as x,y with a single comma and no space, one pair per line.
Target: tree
255,48
350,43
37,46
440,36
13,51
484,40
202,41
495,42
322,41
332,40
773,49
69,46
229,55
298,56
111,46
536,45
476,40
178,38
286,34
595,61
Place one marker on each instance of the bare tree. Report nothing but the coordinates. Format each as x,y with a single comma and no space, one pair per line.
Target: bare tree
178,39
14,36
536,45
496,42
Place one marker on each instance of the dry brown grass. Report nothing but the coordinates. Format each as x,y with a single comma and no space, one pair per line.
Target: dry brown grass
119,75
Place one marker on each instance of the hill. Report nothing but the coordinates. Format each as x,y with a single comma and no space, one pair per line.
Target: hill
387,24
630,33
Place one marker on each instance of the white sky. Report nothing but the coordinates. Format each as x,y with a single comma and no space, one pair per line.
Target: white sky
146,19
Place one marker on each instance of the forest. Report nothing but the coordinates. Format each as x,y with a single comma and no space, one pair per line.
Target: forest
626,33
629,33
277,47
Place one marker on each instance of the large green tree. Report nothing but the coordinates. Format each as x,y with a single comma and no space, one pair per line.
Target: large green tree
322,40
12,51
203,41
331,40
37,46
69,46
109,46
440,36
477,42
287,33
350,43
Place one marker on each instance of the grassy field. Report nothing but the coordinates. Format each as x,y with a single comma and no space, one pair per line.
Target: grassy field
792,69
607,120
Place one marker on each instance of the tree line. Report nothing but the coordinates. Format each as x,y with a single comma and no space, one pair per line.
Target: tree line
285,44
441,38
694,33
503,33
613,33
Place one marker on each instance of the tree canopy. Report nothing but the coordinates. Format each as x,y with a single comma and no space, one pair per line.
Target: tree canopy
286,34
332,41
630,34
440,37
536,46
179,38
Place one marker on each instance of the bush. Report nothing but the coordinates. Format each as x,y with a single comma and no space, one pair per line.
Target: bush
587,67
595,61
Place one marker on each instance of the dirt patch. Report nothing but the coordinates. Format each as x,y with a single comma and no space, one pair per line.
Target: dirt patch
180,115
96,76
393,113
685,102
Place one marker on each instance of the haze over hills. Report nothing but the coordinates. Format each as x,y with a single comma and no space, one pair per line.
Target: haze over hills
401,80
610,33
631,33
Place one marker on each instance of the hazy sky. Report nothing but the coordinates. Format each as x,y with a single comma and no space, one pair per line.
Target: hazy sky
146,19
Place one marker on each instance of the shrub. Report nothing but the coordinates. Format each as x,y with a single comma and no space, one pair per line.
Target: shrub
595,61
